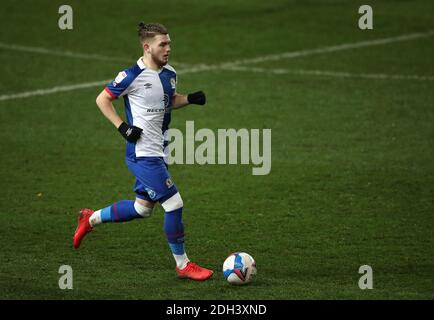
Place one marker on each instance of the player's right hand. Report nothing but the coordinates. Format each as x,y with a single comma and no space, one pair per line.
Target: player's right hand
130,133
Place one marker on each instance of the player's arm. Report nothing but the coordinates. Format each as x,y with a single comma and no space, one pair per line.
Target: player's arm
104,102
180,100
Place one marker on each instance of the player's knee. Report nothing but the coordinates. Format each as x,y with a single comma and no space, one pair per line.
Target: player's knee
173,203
142,210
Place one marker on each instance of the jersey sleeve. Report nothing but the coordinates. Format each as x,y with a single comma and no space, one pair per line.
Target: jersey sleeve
120,85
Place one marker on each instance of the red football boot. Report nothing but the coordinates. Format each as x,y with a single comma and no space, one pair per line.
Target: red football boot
83,226
195,272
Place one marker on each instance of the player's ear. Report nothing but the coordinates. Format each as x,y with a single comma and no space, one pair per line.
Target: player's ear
146,47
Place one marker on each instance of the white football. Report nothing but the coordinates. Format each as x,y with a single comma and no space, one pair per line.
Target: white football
239,268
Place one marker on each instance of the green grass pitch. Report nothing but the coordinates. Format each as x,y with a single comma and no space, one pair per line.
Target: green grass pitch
352,176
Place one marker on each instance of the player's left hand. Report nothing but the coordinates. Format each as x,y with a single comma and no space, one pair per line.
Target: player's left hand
197,98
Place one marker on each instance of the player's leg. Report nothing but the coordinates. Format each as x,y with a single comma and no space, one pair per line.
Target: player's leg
174,229
120,211
160,186
154,184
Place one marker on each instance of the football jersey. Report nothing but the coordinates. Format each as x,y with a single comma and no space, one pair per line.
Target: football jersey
147,97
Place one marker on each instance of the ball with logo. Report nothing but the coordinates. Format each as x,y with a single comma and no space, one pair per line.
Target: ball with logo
239,268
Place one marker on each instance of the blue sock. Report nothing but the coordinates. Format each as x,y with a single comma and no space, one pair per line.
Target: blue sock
174,229
119,212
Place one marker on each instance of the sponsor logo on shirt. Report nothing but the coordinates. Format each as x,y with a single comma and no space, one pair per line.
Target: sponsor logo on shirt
121,76
156,110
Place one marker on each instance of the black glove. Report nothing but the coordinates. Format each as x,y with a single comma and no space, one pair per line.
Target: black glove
197,98
130,133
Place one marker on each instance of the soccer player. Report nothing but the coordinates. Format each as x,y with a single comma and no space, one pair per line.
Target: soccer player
149,92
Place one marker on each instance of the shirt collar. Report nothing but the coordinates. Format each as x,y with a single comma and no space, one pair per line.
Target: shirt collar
141,64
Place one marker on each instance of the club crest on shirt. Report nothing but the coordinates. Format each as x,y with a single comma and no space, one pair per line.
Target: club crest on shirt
166,103
173,83
166,100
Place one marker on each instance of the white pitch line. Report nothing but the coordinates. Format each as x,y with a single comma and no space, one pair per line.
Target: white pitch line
70,54
309,52
335,74
60,53
43,92
222,66
341,47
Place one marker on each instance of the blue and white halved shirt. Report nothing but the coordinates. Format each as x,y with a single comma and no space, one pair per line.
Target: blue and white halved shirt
148,102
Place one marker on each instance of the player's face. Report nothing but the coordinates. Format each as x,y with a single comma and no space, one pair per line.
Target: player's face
160,49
